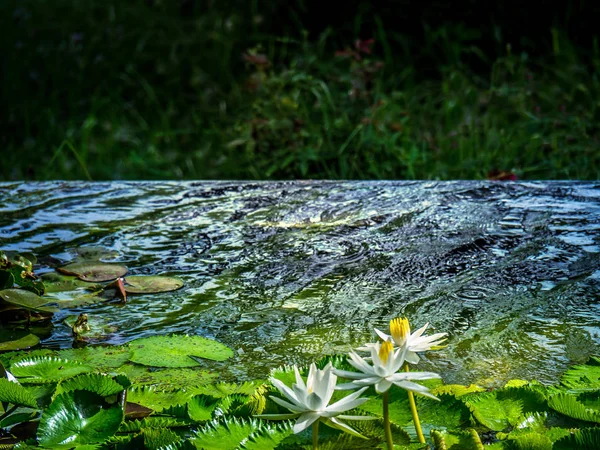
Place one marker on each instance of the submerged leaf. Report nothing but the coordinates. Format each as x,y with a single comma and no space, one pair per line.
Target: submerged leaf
94,271
17,340
78,417
177,351
151,284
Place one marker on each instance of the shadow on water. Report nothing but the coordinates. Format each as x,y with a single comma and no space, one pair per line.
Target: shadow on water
286,272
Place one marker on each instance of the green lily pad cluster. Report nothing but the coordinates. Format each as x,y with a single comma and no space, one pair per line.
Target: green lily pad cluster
98,397
26,297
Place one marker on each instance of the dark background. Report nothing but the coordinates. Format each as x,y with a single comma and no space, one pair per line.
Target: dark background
149,89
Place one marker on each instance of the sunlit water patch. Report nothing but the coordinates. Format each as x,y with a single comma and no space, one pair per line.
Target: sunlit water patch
287,272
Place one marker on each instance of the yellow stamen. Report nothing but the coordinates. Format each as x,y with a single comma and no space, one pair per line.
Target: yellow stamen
384,351
400,330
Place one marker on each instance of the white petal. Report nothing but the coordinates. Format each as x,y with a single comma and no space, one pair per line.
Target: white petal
349,375
383,386
348,402
416,388
419,332
335,423
412,358
342,416
293,408
314,402
305,421
299,380
401,376
360,364
382,335
277,416
286,391
347,386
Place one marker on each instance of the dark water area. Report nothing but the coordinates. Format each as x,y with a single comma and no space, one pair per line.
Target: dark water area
286,272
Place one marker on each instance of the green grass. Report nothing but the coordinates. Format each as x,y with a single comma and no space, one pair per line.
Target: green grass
117,90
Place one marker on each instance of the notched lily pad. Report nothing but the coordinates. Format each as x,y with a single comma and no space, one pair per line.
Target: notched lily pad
94,272
46,369
177,351
151,284
26,299
17,340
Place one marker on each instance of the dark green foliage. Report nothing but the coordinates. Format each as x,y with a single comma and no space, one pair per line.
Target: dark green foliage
133,90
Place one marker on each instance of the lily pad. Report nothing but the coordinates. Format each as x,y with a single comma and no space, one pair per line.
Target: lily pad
177,351
26,299
78,417
102,358
93,253
55,282
93,271
151,284
46,369
17,340
168,378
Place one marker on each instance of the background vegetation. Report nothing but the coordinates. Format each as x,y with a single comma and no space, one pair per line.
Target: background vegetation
261,90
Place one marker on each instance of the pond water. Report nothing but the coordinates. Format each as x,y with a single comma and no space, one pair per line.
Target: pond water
286,272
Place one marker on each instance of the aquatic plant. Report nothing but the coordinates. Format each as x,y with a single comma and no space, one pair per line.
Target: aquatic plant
309,402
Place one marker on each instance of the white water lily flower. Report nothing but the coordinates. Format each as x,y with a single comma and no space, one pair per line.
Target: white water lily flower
310,402
383,372
415,342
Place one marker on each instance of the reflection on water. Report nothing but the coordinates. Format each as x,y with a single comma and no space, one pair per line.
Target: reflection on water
286,272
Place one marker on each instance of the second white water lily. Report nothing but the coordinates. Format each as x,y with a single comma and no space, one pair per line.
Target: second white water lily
384,370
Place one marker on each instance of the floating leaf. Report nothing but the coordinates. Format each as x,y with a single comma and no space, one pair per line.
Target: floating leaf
46,369
103,385
132,426
159,439
491,412
177,351
55,282
93,253
15,394
168,378
201,407
268,436
583,439
456,389
586,376
225,435
94,271
17,340
157,399
99,357
569,405
26,299
151,284
78,417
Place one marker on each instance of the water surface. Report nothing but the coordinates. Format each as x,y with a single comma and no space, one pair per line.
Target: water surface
287,272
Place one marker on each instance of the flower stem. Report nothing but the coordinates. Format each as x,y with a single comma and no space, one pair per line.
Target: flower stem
315,435
413,409
386,421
